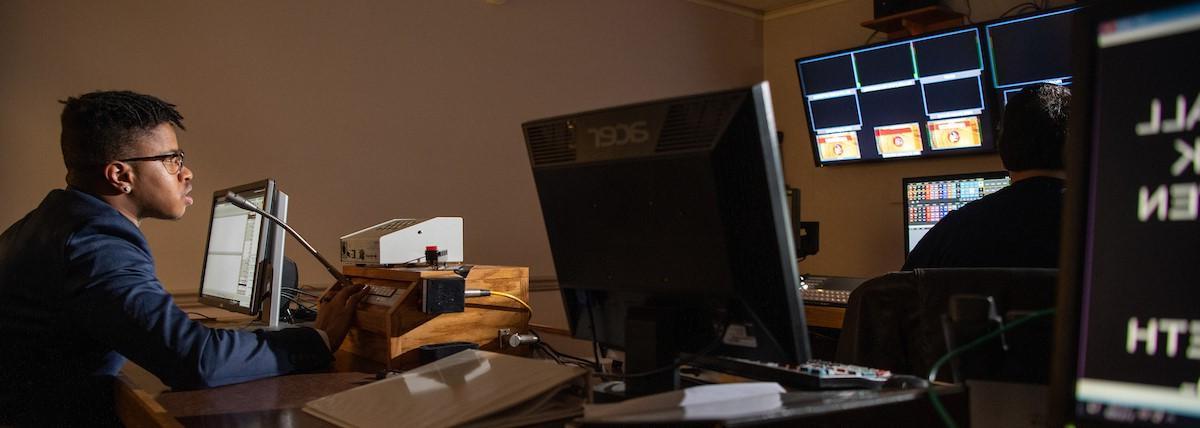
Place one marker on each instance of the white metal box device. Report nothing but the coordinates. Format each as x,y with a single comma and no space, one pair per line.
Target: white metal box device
403,240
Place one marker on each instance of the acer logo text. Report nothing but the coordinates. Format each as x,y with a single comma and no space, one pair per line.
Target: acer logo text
620,134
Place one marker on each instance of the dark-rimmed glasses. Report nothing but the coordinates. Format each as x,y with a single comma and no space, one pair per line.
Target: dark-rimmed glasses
172,161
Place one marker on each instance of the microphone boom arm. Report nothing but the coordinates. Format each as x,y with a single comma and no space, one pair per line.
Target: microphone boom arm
244,204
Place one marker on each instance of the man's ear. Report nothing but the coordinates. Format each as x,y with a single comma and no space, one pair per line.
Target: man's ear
118,176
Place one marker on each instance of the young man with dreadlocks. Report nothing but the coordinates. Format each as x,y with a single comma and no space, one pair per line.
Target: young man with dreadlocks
78,289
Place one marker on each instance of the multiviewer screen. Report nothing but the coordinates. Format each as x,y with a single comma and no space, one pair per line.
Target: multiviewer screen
233,245
1030,50
911,98
928,199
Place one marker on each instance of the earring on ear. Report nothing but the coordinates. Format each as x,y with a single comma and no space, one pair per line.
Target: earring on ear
126,188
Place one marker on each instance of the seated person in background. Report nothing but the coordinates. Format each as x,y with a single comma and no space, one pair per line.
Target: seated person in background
78,289
1017,226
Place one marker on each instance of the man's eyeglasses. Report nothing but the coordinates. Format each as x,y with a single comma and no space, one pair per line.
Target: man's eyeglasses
172,161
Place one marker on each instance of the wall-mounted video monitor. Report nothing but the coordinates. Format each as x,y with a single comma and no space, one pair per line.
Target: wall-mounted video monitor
1028,50
933,95
911,98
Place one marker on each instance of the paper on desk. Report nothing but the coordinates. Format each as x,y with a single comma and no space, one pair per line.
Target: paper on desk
458,389
705,402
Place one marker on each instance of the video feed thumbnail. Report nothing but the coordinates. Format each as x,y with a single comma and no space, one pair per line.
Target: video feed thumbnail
957,133
898,140
839,146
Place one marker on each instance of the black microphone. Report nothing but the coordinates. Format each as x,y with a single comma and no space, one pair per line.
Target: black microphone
239,202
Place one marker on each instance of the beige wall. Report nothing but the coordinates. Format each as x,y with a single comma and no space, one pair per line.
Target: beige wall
859,206
365,111
362,110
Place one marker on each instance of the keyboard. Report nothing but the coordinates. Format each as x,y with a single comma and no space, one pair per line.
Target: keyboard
814,374
828,290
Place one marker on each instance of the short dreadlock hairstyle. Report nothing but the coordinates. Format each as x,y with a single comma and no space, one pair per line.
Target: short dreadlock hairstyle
100,127
1034,129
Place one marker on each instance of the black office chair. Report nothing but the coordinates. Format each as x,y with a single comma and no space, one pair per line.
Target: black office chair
896,322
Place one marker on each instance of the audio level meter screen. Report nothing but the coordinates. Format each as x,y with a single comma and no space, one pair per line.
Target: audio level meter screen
233,246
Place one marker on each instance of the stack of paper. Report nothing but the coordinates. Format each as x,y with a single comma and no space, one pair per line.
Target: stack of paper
698,403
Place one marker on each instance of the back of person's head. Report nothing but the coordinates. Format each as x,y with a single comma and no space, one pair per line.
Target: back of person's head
1034,128
102,126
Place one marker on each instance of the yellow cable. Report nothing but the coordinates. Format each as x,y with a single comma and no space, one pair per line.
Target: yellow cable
518,299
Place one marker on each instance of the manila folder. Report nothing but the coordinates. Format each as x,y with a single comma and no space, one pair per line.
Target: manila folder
456,390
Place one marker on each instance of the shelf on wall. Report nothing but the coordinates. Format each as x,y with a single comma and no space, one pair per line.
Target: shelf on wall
916,21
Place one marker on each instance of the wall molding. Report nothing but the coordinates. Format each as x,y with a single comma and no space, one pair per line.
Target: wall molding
731,8
800,8
769,15
543,283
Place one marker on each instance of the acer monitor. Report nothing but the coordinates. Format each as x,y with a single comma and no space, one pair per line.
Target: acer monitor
670,232
1128,349
913,98
928,199
243,249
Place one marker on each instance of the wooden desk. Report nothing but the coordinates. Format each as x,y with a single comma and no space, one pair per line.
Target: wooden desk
824,316
273,401
278,402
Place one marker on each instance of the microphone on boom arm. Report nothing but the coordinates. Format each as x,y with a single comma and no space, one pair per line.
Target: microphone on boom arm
342,280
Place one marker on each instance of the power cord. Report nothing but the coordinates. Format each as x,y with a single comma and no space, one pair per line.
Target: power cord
1020,8
933,398
587,300
865,42
557,356
202,315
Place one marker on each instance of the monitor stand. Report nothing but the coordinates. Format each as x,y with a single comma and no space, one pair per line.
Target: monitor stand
651,342
271,312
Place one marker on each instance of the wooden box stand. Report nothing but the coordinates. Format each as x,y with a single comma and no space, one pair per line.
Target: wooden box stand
389,325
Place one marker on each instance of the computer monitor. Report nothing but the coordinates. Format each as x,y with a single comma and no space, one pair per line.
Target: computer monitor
917,97
1030,49
670,231
1129,322
928,199
242,250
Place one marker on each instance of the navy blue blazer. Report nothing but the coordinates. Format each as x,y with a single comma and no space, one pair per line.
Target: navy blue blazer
79,295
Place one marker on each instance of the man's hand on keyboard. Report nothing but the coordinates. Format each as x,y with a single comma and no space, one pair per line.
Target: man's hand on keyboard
337,315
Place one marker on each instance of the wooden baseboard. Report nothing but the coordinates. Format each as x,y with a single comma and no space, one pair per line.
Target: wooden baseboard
542,328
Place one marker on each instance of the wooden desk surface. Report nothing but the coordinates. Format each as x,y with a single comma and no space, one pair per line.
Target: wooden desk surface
824,316
278,402
273,401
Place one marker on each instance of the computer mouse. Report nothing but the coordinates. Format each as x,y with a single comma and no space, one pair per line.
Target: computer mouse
901,381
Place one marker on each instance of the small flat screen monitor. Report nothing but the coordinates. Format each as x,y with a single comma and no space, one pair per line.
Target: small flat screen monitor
928,199
239,250
1028,50
672,215
1134,226
917,97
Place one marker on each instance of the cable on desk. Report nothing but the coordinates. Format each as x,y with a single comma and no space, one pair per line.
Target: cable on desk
299,291
675,364
294,298
587,300
202,315
559,355
518,299
933,398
